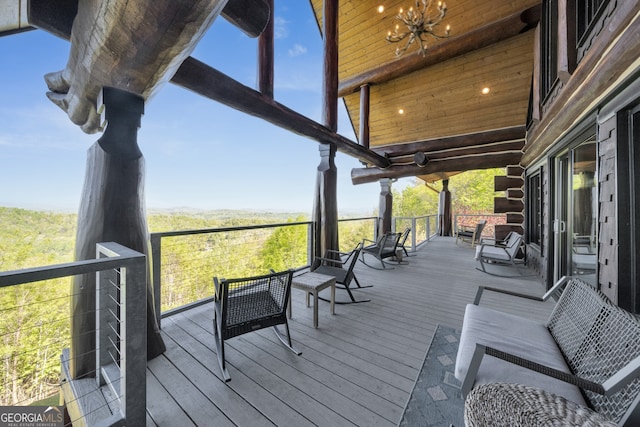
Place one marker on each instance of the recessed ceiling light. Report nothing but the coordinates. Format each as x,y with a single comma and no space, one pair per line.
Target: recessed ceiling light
380,9
400,111
485,91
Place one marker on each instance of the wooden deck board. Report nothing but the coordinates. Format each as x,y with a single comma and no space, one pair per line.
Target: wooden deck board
357,368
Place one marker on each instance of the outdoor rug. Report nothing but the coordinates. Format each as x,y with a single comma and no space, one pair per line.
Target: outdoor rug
436,399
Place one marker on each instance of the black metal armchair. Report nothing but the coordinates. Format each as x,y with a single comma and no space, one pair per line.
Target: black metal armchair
403,240
248,304
385,247
341,269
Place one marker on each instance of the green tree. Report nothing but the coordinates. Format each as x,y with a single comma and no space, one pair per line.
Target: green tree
286,248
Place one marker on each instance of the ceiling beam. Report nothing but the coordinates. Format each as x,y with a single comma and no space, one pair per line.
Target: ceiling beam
211,83
454,46
459,141
496,147
482,161
56,17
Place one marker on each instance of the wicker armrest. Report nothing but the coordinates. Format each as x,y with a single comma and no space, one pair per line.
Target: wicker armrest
612,385
556,287
481,350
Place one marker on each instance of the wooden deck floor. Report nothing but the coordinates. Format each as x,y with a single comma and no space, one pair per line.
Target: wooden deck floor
357,368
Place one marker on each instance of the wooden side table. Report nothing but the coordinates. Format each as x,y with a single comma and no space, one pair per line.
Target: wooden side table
313,283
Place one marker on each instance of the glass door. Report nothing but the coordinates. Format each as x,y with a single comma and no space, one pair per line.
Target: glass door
575,216
584,207
560,244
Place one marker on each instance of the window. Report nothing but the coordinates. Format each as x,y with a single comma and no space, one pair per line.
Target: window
587,12
548,47
534,209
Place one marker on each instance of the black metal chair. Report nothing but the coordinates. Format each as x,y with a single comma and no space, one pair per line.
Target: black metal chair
247,304
384,248
403,239
340,265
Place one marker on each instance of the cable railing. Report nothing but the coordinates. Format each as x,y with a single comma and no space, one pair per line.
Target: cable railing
115,392
35,303
185,262
470,220
423,228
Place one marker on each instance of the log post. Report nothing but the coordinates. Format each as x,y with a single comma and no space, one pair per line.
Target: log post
111,209
385,207
364,115
265,57
444,210
325,212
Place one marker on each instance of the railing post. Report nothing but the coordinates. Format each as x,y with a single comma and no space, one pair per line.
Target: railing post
156,275
310,243
134,353
121,325
413,234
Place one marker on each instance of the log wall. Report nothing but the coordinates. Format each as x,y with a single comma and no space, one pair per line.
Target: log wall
513,204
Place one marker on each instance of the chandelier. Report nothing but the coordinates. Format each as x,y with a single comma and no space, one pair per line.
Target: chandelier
420,24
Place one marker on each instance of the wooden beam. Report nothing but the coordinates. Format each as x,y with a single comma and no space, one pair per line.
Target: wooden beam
250,16
497,147
330,64
211,83
365,175
56,16
265,57
364,115
503,183
459,141
567,52
609,58
504,205
452,47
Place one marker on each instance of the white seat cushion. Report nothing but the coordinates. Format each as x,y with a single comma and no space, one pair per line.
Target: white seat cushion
492,252
518,336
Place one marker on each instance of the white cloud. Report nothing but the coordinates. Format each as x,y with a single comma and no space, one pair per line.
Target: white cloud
280,30
297,50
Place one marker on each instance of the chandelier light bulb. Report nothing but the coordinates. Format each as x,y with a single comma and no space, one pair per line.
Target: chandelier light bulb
420,24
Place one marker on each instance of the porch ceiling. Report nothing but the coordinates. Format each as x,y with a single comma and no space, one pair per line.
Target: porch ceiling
440,94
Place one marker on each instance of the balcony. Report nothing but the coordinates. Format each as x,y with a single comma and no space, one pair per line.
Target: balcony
359,367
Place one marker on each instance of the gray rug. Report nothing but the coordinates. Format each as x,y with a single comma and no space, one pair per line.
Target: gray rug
436,399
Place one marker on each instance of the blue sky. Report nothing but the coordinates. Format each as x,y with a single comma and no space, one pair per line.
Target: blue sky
199,153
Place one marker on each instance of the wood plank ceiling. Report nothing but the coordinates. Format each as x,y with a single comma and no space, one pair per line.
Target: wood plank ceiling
418,104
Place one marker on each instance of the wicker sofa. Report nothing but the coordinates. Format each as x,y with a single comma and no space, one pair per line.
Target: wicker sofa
588,352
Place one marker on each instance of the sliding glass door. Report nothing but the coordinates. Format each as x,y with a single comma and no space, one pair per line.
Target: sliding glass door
575,214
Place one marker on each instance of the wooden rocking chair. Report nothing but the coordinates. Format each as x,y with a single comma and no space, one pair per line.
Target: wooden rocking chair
471,235
248,304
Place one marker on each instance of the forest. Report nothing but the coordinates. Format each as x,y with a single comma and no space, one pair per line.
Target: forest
34,318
